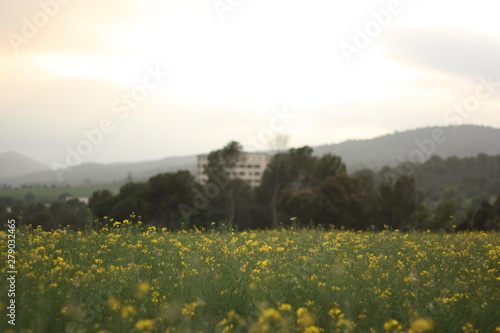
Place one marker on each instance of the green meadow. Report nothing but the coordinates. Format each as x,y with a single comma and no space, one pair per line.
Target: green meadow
133,279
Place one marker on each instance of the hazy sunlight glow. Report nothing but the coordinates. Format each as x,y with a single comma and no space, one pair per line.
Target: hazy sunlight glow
115,69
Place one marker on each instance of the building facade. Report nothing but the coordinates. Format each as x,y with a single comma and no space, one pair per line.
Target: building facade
250,169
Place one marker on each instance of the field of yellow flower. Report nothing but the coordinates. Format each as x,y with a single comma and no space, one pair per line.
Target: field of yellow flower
127,280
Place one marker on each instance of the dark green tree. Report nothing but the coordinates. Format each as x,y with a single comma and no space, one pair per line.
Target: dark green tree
483,217
400,204
164,193
221,165
246,209
129,200
338,200
291,170
68,213
101,202
43,219
444,215
496,209
449,209
30,198
328,165
344,201
299,185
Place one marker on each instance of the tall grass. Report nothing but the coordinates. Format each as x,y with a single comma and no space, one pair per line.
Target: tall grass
128,280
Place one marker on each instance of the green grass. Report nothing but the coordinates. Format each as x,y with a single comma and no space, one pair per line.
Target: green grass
126,280
51,194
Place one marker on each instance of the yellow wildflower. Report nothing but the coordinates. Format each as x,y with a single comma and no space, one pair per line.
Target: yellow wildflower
142,289
128,311
305,318
420,325
114,304
284,307
188,309
270,314
145,325
393,323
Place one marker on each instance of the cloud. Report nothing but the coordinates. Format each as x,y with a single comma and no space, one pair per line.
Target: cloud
453,50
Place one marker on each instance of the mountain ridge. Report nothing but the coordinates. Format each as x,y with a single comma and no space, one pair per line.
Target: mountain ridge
388,150
459,141
14,164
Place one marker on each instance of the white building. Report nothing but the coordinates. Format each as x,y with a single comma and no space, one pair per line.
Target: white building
251,169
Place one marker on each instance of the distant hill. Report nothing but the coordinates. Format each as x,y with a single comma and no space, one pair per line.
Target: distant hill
390,150
96,173
13,164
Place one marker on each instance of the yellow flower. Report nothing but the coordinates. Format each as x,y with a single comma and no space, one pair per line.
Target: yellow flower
305,318
222,322
228,329
142,289
233,315
420,325
188,309
114,304
145,325
284,307
469,328
128,311
270,314
390,324
265,248
313,329
335,313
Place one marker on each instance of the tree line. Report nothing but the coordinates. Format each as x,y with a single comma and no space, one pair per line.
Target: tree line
298,188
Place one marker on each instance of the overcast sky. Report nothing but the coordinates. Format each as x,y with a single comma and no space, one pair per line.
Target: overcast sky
129,80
